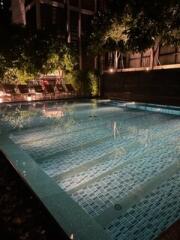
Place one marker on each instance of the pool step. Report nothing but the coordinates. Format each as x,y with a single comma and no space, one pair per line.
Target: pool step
102,192
113,157
58,145
130,158
66,163
150,216
137,194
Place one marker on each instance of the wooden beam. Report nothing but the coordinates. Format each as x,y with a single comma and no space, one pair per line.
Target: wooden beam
38,14
72,8
52,3
80,35
68,22
83,11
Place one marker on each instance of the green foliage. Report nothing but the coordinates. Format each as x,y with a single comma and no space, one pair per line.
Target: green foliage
9,76
24,54
68,60
15,76
93,83
100,24
52,64
23,76
74,79
88,81
136,25
59,58
154,22
3,66
116,31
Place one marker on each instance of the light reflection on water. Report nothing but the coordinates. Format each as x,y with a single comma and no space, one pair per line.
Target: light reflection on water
22,116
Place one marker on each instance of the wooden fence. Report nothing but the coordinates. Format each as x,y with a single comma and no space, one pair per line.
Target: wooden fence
157,86
165,56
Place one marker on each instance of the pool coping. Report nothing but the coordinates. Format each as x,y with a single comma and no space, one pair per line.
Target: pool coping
67,213
150,107
71,98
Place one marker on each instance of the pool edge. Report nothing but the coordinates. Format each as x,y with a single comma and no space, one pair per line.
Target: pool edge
71,218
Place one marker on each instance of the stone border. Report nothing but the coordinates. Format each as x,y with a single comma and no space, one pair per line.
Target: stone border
73,220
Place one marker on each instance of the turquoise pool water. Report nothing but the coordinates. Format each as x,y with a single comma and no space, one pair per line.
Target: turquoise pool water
118,162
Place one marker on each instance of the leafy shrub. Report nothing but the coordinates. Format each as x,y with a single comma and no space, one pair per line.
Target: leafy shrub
93,78
15,76
87,82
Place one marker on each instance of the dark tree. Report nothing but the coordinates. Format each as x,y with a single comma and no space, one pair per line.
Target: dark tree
136,25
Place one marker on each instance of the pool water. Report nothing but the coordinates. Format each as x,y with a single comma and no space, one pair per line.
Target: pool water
119,162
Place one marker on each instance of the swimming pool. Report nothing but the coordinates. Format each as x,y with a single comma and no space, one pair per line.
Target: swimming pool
104,169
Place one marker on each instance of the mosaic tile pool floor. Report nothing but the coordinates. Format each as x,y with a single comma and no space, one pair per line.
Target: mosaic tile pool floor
120,164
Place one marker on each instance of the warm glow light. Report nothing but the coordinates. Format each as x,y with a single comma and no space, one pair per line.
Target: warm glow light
1,100
29,98
147,69
111,70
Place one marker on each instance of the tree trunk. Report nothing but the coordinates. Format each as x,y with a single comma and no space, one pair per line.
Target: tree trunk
101,64
95,62
116,59
18,12
155,55
122,61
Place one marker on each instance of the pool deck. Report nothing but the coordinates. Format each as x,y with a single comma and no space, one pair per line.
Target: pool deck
172,233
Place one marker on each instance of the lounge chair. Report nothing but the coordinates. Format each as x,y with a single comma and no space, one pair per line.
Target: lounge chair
24,91
1,90
2,94
70,89
61,90
49,91
10,90
39,92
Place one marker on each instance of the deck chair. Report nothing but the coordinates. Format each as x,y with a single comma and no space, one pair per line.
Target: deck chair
39,92
24,91
2,94
1,89
61,90
70,89
49,91
10,90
